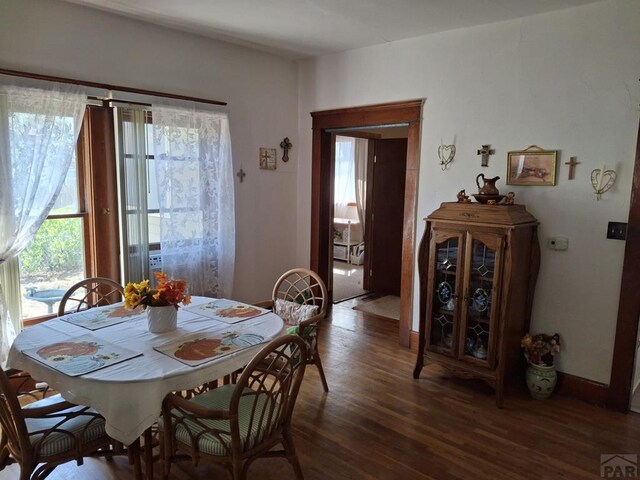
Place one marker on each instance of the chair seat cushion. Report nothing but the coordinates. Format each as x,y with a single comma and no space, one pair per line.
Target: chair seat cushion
306,332
309,335
80,429
292,312
220,444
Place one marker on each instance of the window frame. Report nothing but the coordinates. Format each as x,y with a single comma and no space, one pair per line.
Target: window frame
97,198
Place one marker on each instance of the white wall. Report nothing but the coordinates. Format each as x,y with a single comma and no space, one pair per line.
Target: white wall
55,38
566,80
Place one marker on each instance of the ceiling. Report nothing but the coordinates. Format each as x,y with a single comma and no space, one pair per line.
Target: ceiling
304,28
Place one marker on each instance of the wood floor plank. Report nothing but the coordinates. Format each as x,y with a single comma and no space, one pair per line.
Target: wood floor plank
378,423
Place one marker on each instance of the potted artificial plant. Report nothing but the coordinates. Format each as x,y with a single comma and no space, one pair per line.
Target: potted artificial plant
540,351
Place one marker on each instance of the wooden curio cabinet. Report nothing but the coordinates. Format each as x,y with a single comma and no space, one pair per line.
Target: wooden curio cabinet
478,266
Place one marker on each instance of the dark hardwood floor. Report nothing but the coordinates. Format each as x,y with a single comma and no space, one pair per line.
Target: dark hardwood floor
377,422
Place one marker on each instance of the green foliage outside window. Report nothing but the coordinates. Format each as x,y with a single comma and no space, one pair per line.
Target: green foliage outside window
57,247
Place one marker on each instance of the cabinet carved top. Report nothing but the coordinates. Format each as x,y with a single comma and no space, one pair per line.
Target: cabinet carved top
507,215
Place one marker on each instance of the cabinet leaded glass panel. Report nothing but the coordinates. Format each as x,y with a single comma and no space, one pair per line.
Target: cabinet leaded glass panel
445,294
479,301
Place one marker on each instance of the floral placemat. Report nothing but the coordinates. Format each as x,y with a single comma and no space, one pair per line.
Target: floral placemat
101,317
200,348
228,311
80,355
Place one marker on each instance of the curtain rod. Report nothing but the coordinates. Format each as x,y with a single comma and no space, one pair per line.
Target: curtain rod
106,86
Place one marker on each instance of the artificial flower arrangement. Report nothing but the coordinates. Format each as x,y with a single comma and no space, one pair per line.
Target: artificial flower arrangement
541,348
168,292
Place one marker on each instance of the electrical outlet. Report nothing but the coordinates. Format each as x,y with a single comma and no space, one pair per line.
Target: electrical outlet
617,230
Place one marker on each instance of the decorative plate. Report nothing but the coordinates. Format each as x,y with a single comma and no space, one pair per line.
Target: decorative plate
480,299
445,292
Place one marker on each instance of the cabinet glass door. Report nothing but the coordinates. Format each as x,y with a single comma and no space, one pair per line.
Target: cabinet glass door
444,285
482,302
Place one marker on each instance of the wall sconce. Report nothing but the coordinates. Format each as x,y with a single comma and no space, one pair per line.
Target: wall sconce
602,180
446,154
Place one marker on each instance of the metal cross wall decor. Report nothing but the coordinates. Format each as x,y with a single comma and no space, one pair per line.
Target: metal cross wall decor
485,151
286,145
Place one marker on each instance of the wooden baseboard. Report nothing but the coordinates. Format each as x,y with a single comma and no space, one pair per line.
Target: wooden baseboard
582,388
570,385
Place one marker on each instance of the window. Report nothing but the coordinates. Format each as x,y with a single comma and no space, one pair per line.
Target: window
38,141
95,230
345,186
175,186
55,258
79,237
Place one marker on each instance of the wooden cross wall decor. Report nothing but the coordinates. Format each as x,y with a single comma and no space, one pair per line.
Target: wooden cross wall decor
241,175
485,151
572,167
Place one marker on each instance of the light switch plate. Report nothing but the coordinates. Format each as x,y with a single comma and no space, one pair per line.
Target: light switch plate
617,230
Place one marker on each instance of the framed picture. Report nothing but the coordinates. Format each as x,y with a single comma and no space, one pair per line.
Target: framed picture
267,158
532,166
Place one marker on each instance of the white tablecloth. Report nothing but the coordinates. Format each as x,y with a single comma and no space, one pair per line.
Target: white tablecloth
129,394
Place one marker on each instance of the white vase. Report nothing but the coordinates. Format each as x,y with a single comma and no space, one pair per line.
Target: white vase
541,380
162,319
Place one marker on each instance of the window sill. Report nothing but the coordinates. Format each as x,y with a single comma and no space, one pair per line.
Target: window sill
30,322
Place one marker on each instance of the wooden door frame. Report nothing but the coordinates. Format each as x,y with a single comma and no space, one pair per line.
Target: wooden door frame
624,351
409,112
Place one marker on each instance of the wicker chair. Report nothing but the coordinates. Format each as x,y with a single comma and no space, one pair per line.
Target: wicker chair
47,432
237,423
90,292
300,298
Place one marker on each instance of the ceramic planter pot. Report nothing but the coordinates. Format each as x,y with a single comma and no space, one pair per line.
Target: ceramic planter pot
162,319
541,380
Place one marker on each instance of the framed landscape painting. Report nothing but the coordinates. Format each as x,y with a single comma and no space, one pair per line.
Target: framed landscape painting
532,166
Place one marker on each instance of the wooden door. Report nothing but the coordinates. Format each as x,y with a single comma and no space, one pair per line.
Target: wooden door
385,212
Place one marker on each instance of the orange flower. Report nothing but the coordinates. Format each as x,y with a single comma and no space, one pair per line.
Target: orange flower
167,292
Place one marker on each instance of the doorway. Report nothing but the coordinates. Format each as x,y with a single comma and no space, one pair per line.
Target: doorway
369,184
352,150
325,123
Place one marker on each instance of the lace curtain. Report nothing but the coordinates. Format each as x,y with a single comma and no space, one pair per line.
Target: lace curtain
194,171
344,177
360,157
350,187
38,133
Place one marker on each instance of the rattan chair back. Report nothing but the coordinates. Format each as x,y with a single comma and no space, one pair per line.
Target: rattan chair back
88,293
257,419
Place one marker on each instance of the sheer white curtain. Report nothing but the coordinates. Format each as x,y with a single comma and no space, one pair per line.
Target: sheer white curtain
194,171
360,157
38,133
350,176
133,167
344,176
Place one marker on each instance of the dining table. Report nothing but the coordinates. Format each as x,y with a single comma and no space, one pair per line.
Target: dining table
128,390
